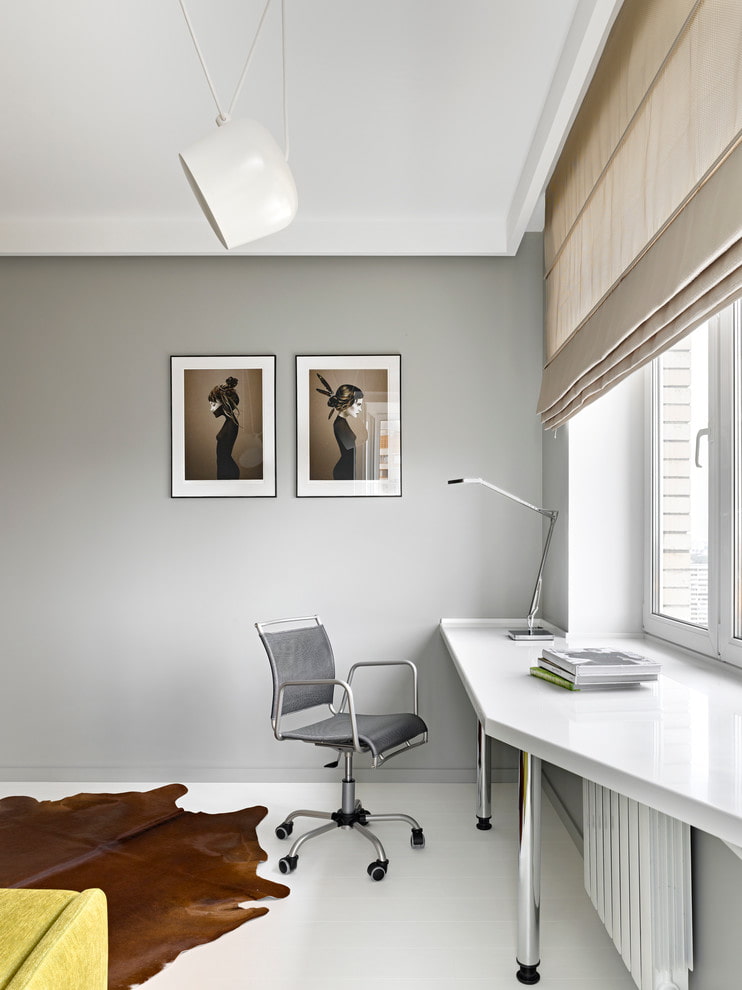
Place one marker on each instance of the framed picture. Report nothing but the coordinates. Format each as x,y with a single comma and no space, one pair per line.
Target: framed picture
223,426
348,425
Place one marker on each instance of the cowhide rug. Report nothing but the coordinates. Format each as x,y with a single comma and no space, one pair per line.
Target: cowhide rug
173,878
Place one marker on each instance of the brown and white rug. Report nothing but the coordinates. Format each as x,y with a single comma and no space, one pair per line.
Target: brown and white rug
173,878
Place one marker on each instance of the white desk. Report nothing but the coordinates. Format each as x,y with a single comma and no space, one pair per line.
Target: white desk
675,745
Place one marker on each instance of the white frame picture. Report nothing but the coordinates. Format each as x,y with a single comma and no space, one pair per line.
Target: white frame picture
194,460
375,430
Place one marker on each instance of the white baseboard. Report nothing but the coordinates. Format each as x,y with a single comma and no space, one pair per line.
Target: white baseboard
222,775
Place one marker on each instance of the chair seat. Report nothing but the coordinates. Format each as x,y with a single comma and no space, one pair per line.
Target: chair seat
377,733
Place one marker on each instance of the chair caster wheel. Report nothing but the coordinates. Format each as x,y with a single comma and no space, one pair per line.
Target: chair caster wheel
287,864
284,830
417,839
377,869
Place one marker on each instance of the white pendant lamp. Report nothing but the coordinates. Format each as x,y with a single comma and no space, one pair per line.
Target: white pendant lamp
239,174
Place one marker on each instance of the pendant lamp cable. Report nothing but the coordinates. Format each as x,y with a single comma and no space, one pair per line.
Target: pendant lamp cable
224,117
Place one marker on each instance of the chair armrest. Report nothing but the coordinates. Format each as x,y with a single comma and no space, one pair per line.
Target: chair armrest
386,663
347,696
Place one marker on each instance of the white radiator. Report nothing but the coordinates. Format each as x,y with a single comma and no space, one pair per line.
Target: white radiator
637,873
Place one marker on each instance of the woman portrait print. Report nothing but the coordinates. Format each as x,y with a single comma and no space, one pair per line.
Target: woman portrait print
223,401
223,424
348,425
346,402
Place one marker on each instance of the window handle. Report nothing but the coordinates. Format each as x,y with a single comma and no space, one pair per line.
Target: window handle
701,433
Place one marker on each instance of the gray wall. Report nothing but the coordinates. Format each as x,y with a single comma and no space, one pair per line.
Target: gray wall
717,902
126,617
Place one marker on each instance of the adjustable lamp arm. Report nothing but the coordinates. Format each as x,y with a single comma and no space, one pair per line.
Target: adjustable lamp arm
551,515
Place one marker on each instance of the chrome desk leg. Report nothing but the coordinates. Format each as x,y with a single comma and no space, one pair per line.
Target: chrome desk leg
529,868
484,778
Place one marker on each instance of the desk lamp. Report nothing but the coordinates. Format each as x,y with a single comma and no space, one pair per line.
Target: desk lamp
530,631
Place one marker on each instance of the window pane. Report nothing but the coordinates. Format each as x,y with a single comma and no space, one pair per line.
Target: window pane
682,481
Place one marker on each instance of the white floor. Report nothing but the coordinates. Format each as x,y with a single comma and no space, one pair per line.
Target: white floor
444,916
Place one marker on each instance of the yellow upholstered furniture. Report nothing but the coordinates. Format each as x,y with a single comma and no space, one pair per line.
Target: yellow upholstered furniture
53,940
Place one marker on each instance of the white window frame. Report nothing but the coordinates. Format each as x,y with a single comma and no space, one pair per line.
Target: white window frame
718,640
729,523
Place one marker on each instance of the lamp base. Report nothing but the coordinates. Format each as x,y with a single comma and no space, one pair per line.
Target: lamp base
538,632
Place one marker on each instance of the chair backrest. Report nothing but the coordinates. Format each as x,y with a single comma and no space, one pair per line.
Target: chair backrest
298,649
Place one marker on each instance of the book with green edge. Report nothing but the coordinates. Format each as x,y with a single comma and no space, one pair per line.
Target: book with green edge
546,675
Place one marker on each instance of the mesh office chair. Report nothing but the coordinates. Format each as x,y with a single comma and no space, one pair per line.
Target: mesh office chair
303,668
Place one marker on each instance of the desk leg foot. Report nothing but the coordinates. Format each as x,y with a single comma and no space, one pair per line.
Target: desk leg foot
528,975
484,779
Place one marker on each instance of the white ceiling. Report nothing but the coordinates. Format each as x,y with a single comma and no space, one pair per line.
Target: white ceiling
416,126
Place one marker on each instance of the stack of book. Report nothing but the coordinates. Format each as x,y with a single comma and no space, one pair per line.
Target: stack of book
596,667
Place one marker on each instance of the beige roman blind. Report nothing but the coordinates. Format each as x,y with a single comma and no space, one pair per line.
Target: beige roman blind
643,234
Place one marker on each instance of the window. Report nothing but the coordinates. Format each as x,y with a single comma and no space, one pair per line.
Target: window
694,589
